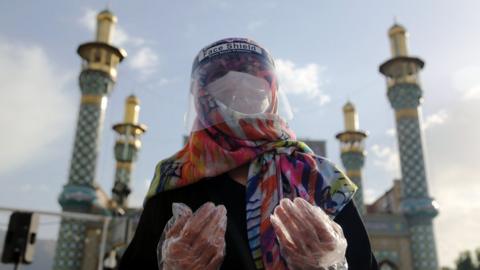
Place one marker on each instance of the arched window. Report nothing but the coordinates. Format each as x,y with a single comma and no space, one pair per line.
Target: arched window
387,265
108,60
97,56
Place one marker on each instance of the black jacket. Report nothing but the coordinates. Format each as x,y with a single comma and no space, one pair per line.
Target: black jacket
141,253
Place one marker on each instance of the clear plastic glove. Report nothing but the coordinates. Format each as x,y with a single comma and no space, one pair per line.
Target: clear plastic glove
193,241
308,238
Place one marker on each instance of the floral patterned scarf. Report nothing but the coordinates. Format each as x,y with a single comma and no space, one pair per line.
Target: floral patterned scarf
279,167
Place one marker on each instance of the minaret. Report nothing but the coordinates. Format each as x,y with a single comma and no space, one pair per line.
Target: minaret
81,194
126,149
353,151
405,95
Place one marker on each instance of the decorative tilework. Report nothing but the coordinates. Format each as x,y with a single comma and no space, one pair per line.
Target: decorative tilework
70,245
95,83
89,124
85,149
419,208
77,198
125,152
121,187
79,194
423,247
353,161
387,255
411,158
416,204
404,96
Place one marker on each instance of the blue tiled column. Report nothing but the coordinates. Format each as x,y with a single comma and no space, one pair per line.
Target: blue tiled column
417,204
353,162
79,194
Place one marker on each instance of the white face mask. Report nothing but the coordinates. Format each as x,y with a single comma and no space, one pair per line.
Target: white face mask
242,92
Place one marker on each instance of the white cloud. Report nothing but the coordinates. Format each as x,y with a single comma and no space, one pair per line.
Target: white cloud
467,82
304,80
370,195
391,132
145,60
386,157
122,38
33,104
88,19
452,165
435,119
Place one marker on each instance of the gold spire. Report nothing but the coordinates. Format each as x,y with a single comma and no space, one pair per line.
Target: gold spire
401,68
130,125
132,110
398,40
351,138
126,149
350,117
105,26
100,54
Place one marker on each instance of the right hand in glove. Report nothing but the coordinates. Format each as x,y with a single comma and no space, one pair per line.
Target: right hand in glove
196,241
308,238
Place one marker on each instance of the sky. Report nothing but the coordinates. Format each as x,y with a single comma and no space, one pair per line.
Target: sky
327,52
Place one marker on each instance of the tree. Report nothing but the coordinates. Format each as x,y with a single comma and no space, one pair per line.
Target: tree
477,253
465,261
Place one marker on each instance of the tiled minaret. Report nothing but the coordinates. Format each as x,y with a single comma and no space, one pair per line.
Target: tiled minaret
81,194
405,95
353,152
126,149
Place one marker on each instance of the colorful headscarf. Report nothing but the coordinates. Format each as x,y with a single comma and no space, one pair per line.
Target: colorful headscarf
279,167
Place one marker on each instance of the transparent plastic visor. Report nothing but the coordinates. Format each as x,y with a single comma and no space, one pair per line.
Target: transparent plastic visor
232,97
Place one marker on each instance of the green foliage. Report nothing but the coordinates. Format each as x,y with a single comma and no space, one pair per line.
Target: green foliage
477,254
466,262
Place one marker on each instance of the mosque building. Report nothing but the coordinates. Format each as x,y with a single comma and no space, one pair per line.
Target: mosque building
78,244
399,223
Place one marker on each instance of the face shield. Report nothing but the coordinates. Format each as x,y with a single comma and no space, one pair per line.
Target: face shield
234,79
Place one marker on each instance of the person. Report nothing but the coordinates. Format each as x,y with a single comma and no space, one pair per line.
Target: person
243,193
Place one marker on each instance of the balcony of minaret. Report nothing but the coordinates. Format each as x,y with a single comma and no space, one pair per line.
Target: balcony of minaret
352,142
401,68
101,55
